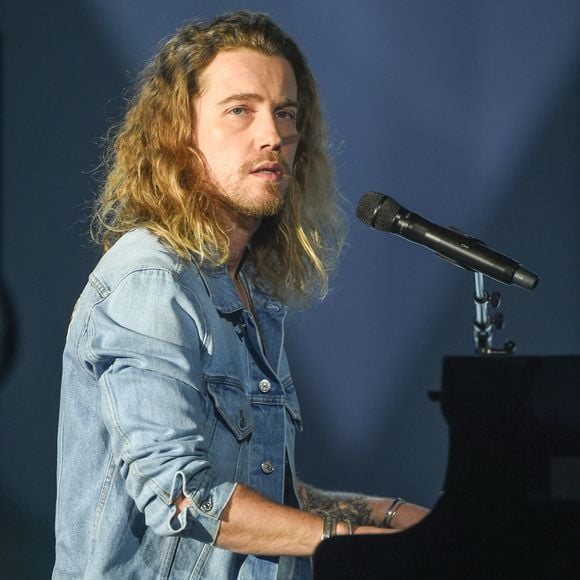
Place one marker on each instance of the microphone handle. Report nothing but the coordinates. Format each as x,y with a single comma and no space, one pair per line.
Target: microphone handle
459,249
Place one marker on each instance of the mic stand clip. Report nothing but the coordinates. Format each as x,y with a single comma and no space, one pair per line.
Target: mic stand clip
484,322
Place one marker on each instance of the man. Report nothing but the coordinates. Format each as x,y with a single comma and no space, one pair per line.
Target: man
178,412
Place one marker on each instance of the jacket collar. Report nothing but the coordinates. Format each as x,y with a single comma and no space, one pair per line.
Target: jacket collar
224,296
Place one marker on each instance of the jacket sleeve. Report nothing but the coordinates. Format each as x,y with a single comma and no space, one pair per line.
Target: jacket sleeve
145,343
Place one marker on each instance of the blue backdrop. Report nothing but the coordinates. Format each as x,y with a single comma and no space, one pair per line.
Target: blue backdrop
466,112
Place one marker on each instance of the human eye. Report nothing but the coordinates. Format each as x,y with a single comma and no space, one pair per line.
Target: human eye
238,111
287,115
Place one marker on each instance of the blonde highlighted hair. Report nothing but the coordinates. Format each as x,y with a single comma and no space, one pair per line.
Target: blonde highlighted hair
156,178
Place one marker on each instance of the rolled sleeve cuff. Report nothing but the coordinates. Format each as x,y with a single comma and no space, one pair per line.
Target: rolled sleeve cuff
201,520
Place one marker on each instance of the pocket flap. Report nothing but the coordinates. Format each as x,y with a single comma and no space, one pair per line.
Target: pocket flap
292,405
233,407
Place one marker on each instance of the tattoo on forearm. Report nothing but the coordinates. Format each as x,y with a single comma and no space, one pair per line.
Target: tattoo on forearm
346,506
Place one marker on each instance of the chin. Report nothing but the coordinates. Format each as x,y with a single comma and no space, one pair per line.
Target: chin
267,209
266,202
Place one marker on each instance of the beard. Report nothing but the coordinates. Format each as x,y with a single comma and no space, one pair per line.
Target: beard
267,206
241,198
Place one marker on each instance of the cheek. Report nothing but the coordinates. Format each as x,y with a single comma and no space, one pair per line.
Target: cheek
215,150
225,164
290,154
208,142
226,144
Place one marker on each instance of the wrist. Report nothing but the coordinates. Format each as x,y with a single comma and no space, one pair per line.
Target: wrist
391,513
331,526
344,528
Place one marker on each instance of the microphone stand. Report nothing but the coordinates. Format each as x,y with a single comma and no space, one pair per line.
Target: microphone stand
484,322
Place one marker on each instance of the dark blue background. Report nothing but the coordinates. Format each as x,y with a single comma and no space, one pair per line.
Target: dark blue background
466,112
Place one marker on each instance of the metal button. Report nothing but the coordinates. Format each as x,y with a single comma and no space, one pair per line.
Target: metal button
206,504
267,467
264,386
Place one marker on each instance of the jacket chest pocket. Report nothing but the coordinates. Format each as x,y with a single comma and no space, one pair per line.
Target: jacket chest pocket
233,408
233,426
292,405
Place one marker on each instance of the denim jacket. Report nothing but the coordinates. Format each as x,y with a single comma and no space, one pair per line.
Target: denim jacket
168,389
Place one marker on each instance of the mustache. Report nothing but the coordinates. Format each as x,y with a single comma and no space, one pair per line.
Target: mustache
250,165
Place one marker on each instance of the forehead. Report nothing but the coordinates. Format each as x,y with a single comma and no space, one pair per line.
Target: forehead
248,71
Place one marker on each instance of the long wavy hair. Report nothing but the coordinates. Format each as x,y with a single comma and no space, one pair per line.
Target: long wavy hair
156,177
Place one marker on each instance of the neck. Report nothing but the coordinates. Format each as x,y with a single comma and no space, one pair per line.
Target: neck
240,233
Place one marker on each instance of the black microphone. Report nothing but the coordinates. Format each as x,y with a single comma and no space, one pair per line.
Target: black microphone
383,213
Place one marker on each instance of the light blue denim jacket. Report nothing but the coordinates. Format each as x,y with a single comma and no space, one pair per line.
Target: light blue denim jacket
167,390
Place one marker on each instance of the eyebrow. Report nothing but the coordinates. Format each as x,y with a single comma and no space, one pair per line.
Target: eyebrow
259,98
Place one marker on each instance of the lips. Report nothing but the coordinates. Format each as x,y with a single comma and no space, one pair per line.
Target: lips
269,168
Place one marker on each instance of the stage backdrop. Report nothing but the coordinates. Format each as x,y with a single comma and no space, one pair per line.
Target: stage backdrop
466,112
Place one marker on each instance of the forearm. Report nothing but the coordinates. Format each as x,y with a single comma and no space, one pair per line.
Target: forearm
359,509
253,524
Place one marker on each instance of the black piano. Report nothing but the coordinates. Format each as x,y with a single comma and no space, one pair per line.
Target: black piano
510,505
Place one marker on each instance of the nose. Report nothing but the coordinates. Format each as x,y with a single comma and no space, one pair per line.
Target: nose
268,136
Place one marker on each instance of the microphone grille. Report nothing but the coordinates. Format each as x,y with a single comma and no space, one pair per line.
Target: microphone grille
378,211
